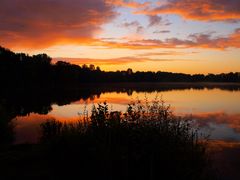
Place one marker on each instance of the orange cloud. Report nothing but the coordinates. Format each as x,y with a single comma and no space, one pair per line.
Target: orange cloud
198,40
202,10
165,53
127,3
44,23
112,61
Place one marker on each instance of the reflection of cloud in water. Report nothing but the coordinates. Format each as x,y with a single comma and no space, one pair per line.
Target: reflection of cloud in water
231,120
215,109
27,129
221,145
185,100
219,125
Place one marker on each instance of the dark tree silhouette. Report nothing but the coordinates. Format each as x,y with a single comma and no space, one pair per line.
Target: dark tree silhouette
24,71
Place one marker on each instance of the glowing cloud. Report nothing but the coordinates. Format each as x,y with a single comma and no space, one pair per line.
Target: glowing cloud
37,24
113,61
127,3
202,10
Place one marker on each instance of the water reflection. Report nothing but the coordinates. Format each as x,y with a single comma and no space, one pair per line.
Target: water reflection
220,124
215,106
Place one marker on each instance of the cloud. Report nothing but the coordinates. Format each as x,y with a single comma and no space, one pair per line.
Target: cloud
26,23
127,3
131,24
160,32
111,61
134,24
197,40
206,40
155,20
201,10
165,53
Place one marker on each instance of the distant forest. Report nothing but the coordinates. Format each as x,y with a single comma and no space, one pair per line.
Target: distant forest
22,70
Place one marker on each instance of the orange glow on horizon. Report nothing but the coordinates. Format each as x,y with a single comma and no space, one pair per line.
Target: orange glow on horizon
113,34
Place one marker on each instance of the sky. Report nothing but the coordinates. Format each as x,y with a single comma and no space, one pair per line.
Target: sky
187,36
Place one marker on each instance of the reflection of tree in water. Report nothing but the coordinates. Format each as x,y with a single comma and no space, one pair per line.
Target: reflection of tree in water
6,133
6,126
23,102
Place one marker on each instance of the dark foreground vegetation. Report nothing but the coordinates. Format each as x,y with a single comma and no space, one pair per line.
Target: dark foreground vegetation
146,142
21,70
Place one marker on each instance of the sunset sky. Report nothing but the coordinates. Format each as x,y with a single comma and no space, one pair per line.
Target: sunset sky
189,36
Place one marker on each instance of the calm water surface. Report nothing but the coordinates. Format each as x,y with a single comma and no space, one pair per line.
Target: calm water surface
217,110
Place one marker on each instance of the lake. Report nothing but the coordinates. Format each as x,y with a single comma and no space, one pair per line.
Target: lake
215,107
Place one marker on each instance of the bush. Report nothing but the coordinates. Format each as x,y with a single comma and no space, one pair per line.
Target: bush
145,142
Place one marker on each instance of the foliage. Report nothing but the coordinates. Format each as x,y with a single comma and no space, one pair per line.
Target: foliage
145,142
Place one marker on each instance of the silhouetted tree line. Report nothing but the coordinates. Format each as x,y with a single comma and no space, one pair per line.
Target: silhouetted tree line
22,70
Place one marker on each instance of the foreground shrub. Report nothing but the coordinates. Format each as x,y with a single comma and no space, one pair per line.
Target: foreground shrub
146,142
